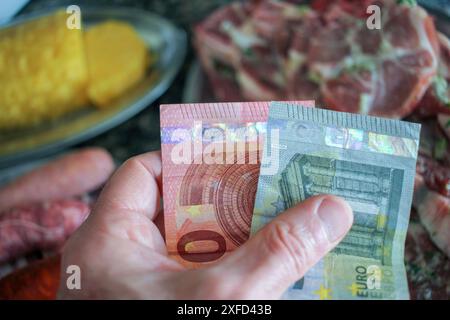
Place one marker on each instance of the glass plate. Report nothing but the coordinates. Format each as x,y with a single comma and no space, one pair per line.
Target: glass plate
166,41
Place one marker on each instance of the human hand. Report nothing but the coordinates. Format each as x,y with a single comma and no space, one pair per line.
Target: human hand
122,255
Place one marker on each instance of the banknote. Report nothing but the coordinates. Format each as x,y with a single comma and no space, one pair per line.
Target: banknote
211,158
366,160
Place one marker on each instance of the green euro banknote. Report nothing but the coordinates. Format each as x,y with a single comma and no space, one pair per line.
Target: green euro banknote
368,161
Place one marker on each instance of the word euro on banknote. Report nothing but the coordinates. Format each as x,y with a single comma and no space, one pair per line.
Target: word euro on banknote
211,158
366,160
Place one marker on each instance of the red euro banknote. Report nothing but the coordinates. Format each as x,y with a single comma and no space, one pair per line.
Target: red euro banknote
211,159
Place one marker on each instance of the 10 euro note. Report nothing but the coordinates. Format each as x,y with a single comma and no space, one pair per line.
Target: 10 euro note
368,161
211,158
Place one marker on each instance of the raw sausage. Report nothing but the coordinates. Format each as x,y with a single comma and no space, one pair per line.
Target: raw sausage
39,227
71,175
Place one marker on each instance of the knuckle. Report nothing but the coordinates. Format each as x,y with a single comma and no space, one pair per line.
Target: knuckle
132,162
292,244
137,163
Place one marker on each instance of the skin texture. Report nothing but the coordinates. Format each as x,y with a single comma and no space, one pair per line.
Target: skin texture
121,252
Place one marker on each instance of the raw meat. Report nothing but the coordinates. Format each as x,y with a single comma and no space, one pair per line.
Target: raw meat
437,97
428,269
270,50
434,212
36,281
435,175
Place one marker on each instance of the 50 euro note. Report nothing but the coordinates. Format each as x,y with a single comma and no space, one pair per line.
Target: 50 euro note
368,161
211,158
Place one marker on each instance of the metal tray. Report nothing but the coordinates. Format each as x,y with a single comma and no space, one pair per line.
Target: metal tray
168,42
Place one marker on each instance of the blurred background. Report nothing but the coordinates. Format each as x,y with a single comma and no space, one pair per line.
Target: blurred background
141,133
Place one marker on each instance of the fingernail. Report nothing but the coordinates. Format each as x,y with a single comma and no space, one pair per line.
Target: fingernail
336,216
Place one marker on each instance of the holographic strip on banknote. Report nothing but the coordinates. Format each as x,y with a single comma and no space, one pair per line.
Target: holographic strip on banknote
366,160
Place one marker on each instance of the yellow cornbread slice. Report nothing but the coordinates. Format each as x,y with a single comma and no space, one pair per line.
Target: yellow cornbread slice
43,72
117,58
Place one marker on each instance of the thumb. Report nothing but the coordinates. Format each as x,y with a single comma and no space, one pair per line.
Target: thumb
286,248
